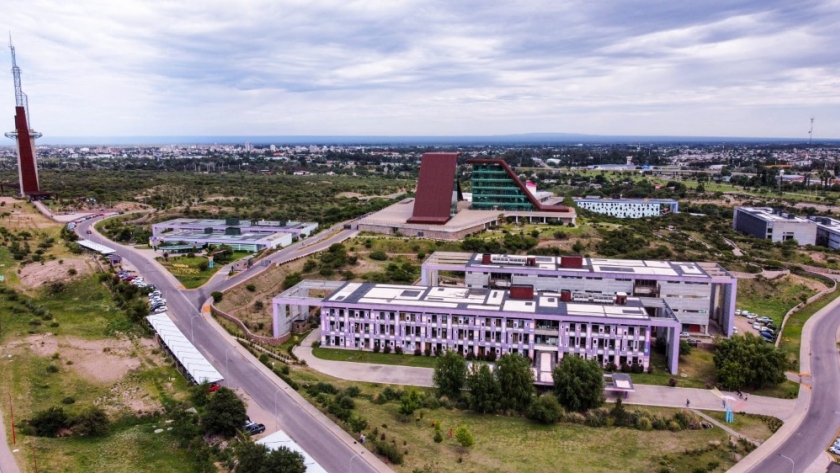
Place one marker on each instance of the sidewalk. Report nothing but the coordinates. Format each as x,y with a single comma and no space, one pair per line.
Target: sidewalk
645,395
311,410
8,463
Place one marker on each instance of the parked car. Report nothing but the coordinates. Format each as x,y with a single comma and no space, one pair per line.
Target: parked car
684,334
764,320
757,326
768,336
771,325
751,316
254,429
834,449
768,330
738,312
693,342
160,310
215,387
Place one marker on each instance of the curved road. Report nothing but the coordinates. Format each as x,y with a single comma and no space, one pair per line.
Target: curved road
818,428
326,446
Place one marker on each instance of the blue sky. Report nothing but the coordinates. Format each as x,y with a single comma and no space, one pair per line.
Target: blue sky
712,68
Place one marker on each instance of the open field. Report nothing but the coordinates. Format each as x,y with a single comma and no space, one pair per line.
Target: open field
792,334
188,269
773,298
358,356
745,424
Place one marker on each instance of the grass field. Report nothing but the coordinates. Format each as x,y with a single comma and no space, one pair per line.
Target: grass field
515,444
358,356
748,425
188,272
772,298
792,334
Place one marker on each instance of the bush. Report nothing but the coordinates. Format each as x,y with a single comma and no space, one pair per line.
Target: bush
251,288
47,423
545,409
217,296
643,423
357,424
352,391
52,369
398,350
376,348
68,400
389,451
92,422
72,272
387,349
378,255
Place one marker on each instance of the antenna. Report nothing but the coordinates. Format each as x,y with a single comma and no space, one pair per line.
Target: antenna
810,131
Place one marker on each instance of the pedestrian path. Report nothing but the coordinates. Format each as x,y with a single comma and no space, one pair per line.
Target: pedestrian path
647,395
8,463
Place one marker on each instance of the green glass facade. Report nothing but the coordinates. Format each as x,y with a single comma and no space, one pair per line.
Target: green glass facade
494,189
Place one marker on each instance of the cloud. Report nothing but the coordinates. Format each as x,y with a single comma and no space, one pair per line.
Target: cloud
743,68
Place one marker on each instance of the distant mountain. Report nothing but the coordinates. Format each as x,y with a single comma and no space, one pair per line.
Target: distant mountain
514,139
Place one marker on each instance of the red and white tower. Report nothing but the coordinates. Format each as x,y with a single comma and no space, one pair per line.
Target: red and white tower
25,136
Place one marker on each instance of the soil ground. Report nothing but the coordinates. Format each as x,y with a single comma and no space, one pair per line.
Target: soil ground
36,275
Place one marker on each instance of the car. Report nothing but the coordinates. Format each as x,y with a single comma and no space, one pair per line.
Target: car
757,326
768,336
735,330
771,325
834,449
751,316
88,232
764,320
254,429
739,312
154,293
160,310
684,334
693,342
215,387
130,277
157,306
767,330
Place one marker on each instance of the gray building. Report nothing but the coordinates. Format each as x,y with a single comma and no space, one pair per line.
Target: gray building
774,225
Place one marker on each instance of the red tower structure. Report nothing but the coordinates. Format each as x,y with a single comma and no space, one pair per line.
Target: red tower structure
25,136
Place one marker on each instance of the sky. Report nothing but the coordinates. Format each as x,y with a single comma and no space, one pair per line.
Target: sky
759,68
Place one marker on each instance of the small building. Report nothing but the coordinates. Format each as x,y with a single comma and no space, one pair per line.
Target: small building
115,260
775,225
628,208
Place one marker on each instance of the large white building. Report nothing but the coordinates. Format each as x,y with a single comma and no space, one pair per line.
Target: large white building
628,208
696,292
774,225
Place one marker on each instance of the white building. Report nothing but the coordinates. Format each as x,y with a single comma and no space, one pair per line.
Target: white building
774,225
628,208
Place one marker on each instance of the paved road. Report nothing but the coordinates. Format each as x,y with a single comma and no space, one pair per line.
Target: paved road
809,440
329,448
7,459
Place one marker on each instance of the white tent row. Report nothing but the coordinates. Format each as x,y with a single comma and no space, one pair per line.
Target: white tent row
199,369
96,247
281,439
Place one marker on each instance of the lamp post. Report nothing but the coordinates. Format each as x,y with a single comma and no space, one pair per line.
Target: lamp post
792,465
275,408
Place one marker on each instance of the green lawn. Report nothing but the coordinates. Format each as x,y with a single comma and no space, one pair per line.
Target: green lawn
514,444
358,356
187,270
792,334
771,298
745,424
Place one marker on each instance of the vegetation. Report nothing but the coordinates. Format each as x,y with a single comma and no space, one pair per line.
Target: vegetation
224,413
255,458
749,362
579,383
450,374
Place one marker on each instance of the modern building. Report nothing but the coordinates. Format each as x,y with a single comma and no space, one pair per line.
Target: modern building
544,326
828,232
25,137
438,210
628,208
247,241
697,293
775,225
234,225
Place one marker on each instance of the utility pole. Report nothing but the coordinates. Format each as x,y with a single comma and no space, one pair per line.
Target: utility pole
12,419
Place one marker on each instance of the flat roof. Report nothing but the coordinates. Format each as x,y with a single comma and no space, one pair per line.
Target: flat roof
771,215
625,201
601,265
194,362
102,249
493,300
259,225
199,235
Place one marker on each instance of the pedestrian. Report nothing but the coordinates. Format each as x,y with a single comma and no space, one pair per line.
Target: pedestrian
687,403
450,433
724,403
362,439
746,397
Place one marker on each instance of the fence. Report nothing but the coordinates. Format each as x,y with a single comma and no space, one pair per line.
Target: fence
252,336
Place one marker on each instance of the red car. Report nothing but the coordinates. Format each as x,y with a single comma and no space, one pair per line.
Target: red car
213,387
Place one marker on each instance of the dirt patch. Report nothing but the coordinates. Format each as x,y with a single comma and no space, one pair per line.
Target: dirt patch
811,283
102,361
36,275
349,195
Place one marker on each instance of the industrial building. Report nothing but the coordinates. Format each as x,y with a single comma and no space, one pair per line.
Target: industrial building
828,232
439,210
697,293
241,235
544,326
775,225
628,208
234,225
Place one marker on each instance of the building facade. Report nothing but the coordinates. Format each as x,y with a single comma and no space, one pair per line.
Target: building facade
775,225
542,326
698,293
628,208
496,187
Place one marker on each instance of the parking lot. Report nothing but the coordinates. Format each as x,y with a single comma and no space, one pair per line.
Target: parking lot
745,325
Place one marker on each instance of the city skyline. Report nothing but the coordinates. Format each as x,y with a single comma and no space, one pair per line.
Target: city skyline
744,69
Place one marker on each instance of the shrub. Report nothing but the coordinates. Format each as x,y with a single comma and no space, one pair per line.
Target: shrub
217,296
52,369
387,349
352,391
251,288
346,402
389,451
438,436
72,272
92,422
643,423
47,423
417,352
672,382
357,423
68,400
378,255
674,426
545,409
376,348
398,350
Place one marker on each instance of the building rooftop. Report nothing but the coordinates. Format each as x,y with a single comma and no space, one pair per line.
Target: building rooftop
263,225
623,200
491,300
588,265
772,215
246,237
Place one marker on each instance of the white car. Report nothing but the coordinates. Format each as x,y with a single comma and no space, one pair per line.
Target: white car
739,312
751,316
757,326
734,330
835,450
160,310
684,334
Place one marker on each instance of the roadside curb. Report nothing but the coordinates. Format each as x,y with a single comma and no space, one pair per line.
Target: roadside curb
369,457
803,402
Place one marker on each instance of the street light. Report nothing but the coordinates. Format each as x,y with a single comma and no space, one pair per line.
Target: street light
275,408
792,465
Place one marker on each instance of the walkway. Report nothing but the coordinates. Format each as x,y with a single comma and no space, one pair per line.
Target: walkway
7,459
645,395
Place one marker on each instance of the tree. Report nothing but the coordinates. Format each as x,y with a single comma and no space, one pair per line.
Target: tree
225,413
217,296
578,383
410,402
256,458
516,381
485,392
545,409
450,374
47,423
464,437
92,421
749,362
